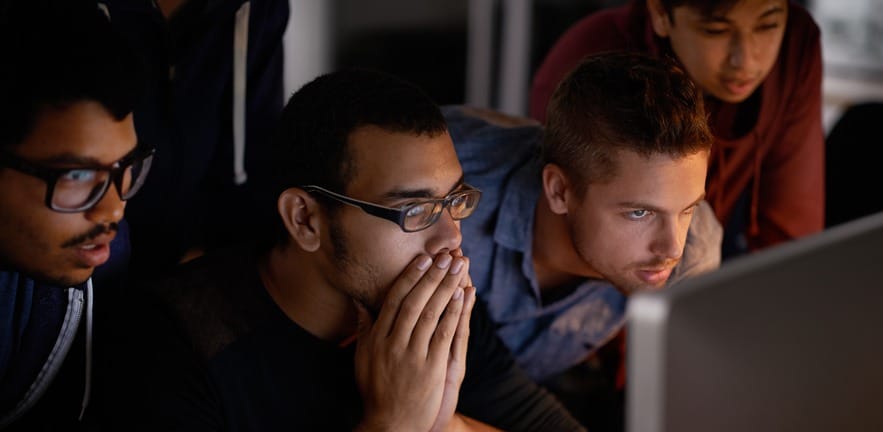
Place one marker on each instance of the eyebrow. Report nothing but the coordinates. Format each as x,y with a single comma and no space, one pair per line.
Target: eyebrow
78,161
772,11
639,205
420,193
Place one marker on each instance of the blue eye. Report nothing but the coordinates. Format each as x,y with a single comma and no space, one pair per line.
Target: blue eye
637,214
79,176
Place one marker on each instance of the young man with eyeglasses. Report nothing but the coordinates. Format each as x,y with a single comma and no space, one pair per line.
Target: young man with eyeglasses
359,312
69,160
605,201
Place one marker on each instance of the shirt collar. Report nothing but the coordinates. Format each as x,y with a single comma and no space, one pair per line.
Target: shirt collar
518,207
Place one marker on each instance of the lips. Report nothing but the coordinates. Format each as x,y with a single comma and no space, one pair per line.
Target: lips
95,251
738,87
654,277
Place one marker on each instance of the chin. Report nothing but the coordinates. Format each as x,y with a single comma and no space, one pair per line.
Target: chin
373,306
66,277
728,97
65,280
74,278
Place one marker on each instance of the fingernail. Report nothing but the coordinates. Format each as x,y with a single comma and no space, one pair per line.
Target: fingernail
423,262
458,293
458,265
444,261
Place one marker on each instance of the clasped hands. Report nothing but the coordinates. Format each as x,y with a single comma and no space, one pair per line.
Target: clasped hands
411,360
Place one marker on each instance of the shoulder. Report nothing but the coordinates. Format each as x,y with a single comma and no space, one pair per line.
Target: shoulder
702,251
616,28
482,124
212,300
607,23
486,139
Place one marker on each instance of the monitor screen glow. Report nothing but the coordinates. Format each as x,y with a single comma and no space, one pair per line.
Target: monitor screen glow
787,339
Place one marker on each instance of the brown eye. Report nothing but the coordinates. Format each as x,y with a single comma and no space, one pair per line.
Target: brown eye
711,31
415,211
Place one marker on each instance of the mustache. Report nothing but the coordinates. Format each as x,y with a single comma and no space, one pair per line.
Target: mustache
96,231
659,263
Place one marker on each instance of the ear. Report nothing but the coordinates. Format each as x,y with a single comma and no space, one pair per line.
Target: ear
302,218
658,18
557,187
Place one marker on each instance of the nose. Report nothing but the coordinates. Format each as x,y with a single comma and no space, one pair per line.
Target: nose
668,243
444,234
742,51
109,209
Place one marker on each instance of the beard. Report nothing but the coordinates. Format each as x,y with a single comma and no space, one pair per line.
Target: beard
52,278
624,278
626,282
358,280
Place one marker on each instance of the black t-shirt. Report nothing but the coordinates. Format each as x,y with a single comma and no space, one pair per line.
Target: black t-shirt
224,357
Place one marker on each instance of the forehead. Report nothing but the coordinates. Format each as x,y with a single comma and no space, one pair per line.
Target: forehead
658,180
386,162
79,131
741,10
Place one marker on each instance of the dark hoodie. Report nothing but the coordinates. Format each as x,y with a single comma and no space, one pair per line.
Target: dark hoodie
209,113
48,345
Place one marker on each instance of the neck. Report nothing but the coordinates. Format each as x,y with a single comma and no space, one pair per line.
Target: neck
555,260
169,7
295,281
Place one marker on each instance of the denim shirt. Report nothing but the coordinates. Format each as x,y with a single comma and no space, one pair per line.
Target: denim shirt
503,162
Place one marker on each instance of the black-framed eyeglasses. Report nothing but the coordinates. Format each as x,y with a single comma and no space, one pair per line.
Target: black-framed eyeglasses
417,215
72,190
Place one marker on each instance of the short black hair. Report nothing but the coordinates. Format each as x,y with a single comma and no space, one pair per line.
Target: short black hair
309,146
57,53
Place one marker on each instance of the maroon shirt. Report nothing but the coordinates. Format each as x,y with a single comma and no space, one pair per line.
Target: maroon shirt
771,145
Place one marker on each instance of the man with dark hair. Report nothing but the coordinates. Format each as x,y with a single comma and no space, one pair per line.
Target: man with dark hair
69,159
759,65
606,201
357,313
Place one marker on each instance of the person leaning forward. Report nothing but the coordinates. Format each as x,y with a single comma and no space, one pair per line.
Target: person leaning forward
359,312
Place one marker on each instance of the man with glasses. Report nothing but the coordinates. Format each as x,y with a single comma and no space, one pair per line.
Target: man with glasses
357,312
69,160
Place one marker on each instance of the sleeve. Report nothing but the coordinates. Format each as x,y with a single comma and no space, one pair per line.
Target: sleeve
791,196
495,391
591,34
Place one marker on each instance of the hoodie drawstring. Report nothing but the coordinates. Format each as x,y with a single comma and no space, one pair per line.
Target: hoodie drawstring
240,60
88,387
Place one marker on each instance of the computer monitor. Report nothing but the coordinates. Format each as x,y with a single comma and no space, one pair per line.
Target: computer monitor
786,339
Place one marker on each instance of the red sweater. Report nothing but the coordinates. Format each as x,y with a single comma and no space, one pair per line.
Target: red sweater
777,150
